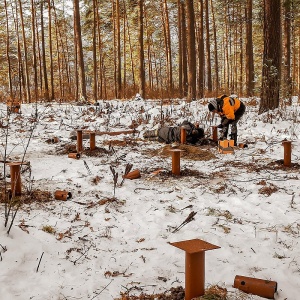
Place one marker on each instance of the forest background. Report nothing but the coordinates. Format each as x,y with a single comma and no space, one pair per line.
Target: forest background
91,49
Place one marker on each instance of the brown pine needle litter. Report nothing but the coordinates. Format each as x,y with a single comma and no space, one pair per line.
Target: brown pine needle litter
189,152
214,292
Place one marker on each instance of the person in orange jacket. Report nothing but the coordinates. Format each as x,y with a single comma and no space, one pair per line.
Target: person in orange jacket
230,109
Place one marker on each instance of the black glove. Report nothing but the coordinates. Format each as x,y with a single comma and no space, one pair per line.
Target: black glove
220,126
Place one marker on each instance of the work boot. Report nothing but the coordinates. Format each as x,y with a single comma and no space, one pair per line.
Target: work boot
233,136
150,133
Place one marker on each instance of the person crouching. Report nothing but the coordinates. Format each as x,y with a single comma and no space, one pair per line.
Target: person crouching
230,109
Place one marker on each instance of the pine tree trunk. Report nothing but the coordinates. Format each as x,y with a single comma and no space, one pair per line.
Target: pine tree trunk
141,55
25,55
249,50
50,50
34,61
287,80
118,50
8,51
217,80
272,56
78,40
191,50
208,58
94,47
45,77
201,57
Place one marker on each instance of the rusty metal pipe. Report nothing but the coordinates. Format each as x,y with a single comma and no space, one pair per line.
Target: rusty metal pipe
79,140
15,175
74,155
255,286
176,162
62,195
92,140
214,133
133,174
194,275
287,146
194,266
182,135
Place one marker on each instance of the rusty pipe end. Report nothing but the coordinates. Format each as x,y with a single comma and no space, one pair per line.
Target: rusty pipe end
256,286
133,174
75,155
62,195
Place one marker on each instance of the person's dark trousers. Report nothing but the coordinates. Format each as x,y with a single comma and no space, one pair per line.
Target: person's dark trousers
238,114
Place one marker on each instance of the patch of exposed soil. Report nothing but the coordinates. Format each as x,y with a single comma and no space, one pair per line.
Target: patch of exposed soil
65,149
173,294
29,197
71,148
258,166
214,292
163,174
189,152
121,143
98,152
278,165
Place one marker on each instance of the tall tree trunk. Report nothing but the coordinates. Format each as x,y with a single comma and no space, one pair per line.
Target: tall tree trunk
78,40
191,50
59,56
76,66
216,63
201,56
179,19
8,51
249,50
45,77
39,57
184,51
25,55
130,47
141,55
272,56
118,50
34,60
240,43
287,92
100,84
168,50
95,77
21,80
115,60
208,58
124,95
50,50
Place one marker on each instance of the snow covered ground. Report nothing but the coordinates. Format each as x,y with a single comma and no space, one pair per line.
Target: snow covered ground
103,241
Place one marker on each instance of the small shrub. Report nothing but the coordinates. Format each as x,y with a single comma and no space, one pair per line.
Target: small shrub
49,229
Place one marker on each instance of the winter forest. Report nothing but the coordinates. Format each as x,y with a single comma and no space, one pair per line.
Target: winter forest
89,50
117,173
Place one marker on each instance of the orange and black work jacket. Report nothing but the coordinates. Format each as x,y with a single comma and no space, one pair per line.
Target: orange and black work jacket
227,106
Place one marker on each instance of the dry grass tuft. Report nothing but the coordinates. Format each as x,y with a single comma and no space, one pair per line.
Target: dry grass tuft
215,292
268,190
